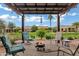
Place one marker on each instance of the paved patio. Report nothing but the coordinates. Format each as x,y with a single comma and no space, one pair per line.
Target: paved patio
31,50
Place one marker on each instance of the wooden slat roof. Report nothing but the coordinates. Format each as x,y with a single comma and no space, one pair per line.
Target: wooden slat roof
41,8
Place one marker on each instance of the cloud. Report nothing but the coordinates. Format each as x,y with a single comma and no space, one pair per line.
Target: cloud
34,19
72,14
64,15
7,17
41,25
4,16
61,19
5,8
69,14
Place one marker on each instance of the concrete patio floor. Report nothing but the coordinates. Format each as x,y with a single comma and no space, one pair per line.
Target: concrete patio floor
31,50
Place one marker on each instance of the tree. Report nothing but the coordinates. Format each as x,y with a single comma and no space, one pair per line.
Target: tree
76,24
49,28
40,33
34,28
50,18
54,29
11,25
2,25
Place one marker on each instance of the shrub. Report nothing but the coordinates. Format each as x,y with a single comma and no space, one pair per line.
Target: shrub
70,38
34,28
62,38
49,36
32,36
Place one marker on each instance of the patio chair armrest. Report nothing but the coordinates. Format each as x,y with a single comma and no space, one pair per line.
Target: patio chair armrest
17,45
69,51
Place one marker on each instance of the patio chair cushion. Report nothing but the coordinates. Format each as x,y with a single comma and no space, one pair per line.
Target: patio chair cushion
26,35
11,49
17,48
7,41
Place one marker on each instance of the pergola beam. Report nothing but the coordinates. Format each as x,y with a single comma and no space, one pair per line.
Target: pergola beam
20,6
23,27
41,12
58,23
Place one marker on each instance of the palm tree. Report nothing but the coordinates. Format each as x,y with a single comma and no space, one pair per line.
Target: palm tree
2,25
76,24
50,18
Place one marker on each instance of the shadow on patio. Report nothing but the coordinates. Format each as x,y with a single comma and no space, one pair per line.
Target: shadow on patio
31,50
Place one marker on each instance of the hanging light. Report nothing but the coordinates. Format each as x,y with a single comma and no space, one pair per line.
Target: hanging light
41,19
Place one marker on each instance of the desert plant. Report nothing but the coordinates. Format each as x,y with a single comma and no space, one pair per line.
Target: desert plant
11,25
49,36
34,28
62,38
40,33
32,36
70,38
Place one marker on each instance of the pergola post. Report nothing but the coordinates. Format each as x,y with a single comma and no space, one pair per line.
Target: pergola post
23,27
58,23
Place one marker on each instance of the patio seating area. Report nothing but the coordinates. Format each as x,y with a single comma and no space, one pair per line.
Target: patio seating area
50,50
53,46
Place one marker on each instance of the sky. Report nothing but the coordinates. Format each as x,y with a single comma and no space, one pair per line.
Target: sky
8,15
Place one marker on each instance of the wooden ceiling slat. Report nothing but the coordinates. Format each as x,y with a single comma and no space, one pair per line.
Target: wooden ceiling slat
41,12
41,7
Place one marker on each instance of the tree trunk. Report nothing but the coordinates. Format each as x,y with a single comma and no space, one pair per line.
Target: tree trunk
76,28
41,38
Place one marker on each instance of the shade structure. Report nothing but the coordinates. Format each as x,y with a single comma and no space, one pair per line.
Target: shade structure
41,8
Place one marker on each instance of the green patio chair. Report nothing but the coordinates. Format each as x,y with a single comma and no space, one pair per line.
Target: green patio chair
11,49
26,37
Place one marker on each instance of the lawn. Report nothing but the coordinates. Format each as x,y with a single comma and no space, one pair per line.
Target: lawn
17,35
71,34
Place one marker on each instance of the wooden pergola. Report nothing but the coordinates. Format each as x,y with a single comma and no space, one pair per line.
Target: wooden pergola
41,8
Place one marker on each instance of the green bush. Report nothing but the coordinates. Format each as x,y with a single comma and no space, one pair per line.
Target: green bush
49,36
34,28
40,33
32,35
70,38
62,38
